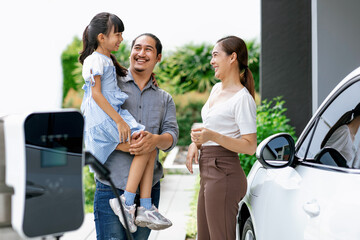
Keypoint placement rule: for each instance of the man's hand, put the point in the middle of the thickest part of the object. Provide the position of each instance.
(125, 146)
(137, 136)
(143, 145)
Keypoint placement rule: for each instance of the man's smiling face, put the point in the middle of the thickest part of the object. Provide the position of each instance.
(143, 54)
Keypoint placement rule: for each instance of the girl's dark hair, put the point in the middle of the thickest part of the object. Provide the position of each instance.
(158, 44)
(344, 119)
(101, 23)
(235, 44)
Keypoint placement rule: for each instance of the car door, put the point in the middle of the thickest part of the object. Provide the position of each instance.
(312, 199)
(330, 194)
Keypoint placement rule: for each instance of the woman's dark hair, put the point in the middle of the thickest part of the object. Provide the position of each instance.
(235, 44)
(344, 119)
(158, 44)
(101, 23)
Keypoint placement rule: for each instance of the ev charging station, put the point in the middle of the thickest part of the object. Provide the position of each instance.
(41, 163)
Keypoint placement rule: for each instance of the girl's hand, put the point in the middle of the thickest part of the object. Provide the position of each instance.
(124, 147)
(124, 131)
(201, 135)
(192, 154)
(154, 79)
(137, 136)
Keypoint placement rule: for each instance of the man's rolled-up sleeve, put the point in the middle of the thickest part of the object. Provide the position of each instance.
(169, 123)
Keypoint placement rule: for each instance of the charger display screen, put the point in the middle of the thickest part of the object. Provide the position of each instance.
(53, 158)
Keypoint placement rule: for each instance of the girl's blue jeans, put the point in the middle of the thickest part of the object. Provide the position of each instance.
(107, 224)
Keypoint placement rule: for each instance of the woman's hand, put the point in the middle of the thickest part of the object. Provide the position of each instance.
(201, 135)
(124, 131)
(192, 155)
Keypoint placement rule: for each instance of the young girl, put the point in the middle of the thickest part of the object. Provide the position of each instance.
(107, 124)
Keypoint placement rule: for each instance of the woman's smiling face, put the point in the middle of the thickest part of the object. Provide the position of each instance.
(220, 61)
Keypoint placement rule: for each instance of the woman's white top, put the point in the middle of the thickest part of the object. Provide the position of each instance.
(342, 141)
(234, 117)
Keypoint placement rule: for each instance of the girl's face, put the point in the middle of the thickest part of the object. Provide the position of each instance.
(112, 40)
(220, 61)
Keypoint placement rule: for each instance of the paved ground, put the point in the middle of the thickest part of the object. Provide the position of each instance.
(176, 194)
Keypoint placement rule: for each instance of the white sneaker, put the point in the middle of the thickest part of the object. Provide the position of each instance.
(129, 212)
(151, 218)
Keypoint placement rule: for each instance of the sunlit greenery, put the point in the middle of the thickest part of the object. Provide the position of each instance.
(270, 119)
(69, 59)
(188, 68)
(183, 70)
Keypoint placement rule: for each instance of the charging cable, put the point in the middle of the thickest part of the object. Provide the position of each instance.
(104, 173)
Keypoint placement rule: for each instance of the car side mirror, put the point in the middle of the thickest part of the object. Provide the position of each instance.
(276, 151)
(331, 157)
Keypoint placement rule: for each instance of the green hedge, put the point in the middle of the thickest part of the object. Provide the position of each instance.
(89, 189)
(270, 119)
(185, 69)
(185, 117)
(69, 60)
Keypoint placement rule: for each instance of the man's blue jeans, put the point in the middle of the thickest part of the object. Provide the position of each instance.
(107, 224)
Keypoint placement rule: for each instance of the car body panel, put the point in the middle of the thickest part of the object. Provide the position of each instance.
(320, 209)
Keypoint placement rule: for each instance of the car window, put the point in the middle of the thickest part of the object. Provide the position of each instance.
(341, 138)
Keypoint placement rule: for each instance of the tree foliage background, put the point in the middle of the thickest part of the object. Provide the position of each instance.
(188, 68)
(183, 70)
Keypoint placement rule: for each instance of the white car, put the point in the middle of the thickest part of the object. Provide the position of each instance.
(302, 191)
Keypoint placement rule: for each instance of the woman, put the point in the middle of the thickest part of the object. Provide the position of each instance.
(229, 118)
(342, 135)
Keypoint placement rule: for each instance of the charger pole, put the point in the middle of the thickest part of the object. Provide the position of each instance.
(5, 191)
(6, 232)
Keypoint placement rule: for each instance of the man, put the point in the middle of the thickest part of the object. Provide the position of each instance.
(151, 107)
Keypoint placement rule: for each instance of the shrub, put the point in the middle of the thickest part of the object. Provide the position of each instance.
(89, 189)
(186, 116)
(270, 119)
(188, 68)
(254, 57)
(69, 60)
